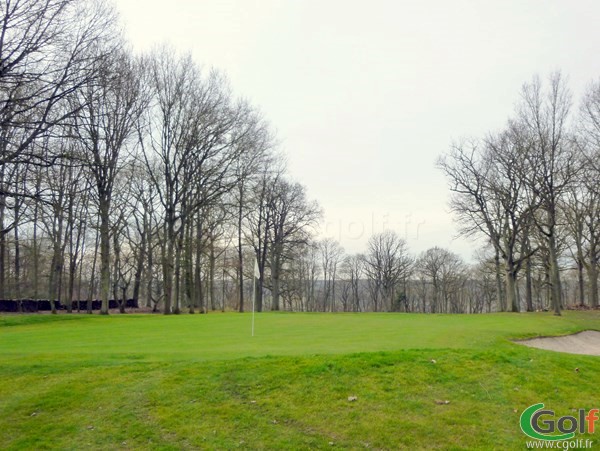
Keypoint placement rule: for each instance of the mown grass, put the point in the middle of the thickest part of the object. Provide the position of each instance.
(201, 382)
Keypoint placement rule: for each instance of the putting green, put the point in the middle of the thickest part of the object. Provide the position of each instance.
(227, 336)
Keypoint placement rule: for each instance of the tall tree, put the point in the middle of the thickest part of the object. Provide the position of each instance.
(514, 202)
(193, 138)
(109, 108)
(387, 261)
(291, 216)
(255, 156)
(352, 268)
(446, 273)
(490, 196)
(472, 203)
(552, 162)
(589, 143)
(331, 256)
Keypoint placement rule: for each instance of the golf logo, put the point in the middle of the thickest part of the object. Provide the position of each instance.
(541, 424)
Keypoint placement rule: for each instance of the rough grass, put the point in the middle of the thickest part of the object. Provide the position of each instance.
(201, 381)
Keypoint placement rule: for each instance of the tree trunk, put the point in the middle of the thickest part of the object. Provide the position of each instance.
(593, 269)
(198, 269)
(73, 252)
(104, 211)
(137, 279)
(2, 250)
(512, 302)
(333, 292)
(17, 290)
(71, 288)
(177, 281)
(116, 267)
(259, 294)
(240, 250)
(211, 276)
(580, 281)
(499, 297)
(555, 276)
(434, 296)
(123, 302)
(93, 277)
(150, 269)
(275, 278)
(35, 253)
(56, 266)
(167, 263)
(223, 287)
(528, 286)
(189, 267)
(80, 275)
(593, 283)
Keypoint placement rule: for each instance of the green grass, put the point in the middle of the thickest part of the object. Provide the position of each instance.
(201, 381)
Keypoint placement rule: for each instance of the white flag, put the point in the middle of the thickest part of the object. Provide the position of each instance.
(256, 270)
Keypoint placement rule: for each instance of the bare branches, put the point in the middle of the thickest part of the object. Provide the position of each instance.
(511, 185)
(48, 49)
(386, 262)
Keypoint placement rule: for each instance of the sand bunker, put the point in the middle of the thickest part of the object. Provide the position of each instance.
(586, 342)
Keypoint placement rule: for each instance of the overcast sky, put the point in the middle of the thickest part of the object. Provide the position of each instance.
(365, 95)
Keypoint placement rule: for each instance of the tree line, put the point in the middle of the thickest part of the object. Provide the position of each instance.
(143, 176)
(532, 190)
(123, 174)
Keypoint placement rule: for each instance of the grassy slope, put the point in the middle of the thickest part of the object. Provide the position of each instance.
(202, 382)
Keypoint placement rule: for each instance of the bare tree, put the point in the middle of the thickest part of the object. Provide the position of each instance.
(468, 174)
(352, 270)
(291, 217)
(331, 256)
(588, 205)
(490, 196)
(446, 273)
(552, 162)
(255, 155)
(193, 139)
(257, 234)
(62, 188)
(48, 51)
(515, 205)
(387, 261)
(109, 107)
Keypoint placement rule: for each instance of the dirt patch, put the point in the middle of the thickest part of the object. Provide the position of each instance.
(586, 342)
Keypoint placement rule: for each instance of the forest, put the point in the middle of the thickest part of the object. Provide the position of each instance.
(128, 176)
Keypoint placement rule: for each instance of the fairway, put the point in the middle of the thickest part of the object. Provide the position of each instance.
(202, 382)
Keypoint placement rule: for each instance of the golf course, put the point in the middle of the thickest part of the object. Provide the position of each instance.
(304, 381)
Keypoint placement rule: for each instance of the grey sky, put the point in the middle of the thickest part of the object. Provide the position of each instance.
(365, 95)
